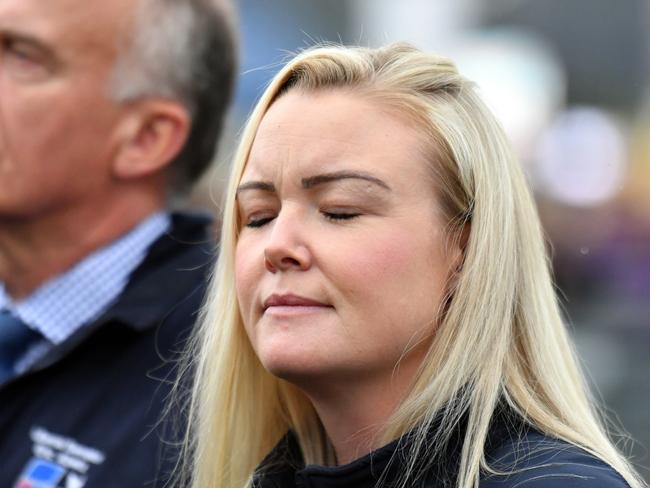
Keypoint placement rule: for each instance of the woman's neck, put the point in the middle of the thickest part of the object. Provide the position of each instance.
(355, 413)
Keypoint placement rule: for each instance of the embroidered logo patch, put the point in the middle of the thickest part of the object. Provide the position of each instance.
(58, 462)
(40, 474)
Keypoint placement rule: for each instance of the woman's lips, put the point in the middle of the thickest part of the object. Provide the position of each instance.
(289, 304)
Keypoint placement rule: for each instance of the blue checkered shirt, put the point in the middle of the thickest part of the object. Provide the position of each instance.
(70, 300)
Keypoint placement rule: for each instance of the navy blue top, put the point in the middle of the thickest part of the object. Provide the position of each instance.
(530, 459)
(538, 461)
(88, 413)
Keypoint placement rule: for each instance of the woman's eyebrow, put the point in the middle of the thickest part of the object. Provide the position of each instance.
(256, 185)
(316, 180)
(320, 179)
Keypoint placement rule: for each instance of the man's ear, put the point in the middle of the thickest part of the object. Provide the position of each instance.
(151, 135)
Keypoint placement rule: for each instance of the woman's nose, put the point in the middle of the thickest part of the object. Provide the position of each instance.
(286, 248)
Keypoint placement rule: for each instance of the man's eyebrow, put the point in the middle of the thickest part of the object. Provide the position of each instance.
(320, 179)
(8, 34)
(17, 36)
(256, 185)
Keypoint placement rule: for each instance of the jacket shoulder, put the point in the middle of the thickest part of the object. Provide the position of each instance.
(538, 461)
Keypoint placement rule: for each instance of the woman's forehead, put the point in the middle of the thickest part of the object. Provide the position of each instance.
(304, 133)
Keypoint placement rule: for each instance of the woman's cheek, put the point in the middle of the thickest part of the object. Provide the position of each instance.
(377, 261)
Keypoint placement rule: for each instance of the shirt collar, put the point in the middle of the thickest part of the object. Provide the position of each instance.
(66, 302)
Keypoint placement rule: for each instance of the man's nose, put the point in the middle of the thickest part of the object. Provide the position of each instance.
(286, 248)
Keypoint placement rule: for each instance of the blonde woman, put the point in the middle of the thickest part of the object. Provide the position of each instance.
(382, 313)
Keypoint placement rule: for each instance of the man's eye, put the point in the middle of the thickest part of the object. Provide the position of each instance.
(20, 55)
(14, 51)
(21, 61)
(258, 222)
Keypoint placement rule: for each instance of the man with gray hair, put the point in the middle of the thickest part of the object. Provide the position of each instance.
(108, 111)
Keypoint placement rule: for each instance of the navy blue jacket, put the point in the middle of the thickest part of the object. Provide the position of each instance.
(88, 415)
(531, 460)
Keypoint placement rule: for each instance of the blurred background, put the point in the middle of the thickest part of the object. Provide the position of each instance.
(570, 82)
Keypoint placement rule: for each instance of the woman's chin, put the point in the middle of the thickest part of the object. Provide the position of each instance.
(287, 366)
(304, 371)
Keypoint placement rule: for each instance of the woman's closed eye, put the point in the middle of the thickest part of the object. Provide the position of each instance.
(256, 221)
(259, 221)
(337, 215)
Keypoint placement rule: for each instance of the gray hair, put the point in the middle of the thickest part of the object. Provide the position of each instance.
(184, 50)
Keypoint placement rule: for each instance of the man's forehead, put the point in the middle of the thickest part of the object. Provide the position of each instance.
(89, 23)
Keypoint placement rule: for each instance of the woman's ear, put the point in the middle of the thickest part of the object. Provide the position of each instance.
(464, 236)
(458, 246)
(151, 135)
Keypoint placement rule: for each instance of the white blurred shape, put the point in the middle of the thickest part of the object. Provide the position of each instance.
(520, 79)
(582, 158)
(427, 24)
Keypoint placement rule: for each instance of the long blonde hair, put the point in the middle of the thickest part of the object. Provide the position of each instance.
(503, 304)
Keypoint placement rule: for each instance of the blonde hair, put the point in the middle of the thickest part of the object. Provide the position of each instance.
(503, 302)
